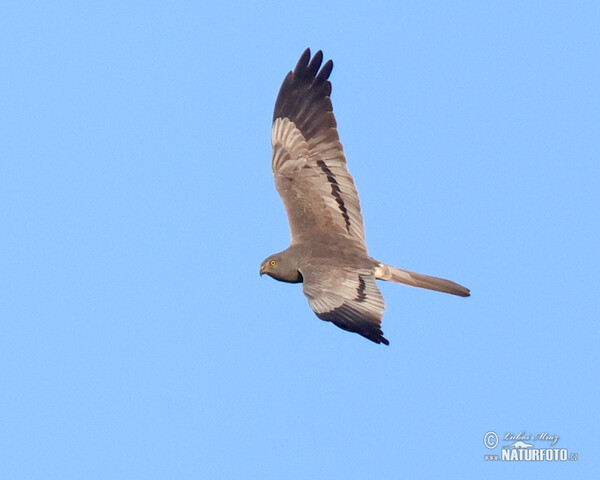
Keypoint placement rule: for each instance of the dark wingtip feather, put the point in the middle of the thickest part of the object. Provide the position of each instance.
(351, 320)
(304, 95)
(379, 338)
(325, 71)
(303, 61)
(315, 63)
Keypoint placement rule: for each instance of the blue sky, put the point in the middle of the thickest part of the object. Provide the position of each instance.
(137, 338)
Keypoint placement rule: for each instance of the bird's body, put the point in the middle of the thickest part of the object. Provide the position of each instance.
(328, 252)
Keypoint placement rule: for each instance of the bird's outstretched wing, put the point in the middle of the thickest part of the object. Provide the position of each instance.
(347, 297)
(308, 159)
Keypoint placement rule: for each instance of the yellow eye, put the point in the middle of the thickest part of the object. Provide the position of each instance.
(273, 262)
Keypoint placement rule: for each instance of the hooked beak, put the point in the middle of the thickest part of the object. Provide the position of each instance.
(262, 270)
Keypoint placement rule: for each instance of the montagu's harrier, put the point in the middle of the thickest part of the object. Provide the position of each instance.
(328, 254)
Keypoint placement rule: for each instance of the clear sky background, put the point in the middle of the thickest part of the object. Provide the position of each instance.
(137, 339)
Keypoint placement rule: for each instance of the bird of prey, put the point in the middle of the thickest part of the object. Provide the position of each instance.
(328, 253)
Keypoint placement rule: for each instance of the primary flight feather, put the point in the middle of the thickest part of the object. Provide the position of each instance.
(328, 253)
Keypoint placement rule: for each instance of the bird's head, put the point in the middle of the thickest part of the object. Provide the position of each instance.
(281, 268)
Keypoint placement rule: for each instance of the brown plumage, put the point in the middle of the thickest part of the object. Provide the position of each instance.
(328, 253)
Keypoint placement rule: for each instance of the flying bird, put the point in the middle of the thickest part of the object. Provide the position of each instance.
(327, 253)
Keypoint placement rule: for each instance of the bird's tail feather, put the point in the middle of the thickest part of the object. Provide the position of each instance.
(398, 275)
